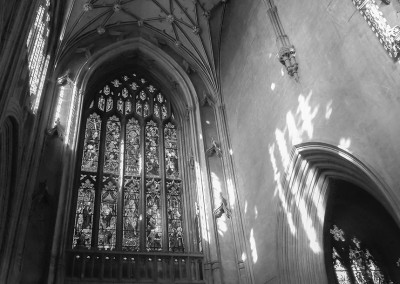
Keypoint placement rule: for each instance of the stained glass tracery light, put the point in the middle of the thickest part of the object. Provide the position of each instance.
(130, 166)
(353, 264)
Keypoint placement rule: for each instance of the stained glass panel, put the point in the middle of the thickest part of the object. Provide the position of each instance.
(102, 102)
(156, 111)
(128, 107)
(164, 112)
(109, 104)
(341, 273)
(120, 106)
(108, 212)
(171, 151)
(360, 262)
(130, 241)
(112, 151)
(152, 151)
(90, 155)
(84, 214)
(153, 215)
(174, 205)
(132, 148)
(131, 176)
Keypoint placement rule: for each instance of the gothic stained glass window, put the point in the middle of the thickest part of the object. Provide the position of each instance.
(129, 195)
(352, 262)
(37, 44)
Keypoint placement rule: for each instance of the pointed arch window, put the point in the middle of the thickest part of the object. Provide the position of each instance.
(352, 261)
(36, 43)
(129, 191)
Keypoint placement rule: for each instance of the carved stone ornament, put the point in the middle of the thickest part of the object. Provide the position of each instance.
(64, 79)
(214, 149)
(223, 208)
(87, 7)
(58, 130)
(286, 51)
(388, 36)
(287, 56)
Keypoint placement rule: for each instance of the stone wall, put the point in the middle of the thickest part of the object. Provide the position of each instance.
(347, 96)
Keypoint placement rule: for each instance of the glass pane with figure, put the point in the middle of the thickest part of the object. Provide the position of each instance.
(174, 205)
(153, 215)
(84, 213)
(152, 150)
(90, 156)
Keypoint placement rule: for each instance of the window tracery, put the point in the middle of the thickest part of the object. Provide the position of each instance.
(352, 261)
(129, 196)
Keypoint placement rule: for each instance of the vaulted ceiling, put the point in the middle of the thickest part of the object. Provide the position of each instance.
(191, 27)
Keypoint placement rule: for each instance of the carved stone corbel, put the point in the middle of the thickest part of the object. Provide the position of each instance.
(57, 130)
(223, 208)
(214, 149)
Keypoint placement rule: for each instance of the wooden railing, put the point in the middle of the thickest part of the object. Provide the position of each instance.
(105, 266)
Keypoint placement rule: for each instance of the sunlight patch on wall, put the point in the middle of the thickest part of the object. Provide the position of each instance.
(328, 110)
(279, 190)
(307, 114)
(344, 143)
(283, 148)
(204, 230)
(222, 226)
(308, 225)
(299, 126)
(253, 247)
(231, 193)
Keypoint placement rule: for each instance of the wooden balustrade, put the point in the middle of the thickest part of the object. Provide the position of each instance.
(149, 267)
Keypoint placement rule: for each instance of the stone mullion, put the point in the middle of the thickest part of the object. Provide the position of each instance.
(96, 213)
(142, 194)
(120, 198)
(163, 187)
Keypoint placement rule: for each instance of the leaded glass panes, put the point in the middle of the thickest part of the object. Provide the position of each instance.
(130, 166)
(108, 215)
(132, 148)
(111, 156)
(349, 257)
(130, 241)
(142, 104)
(90, 155)
(84, 213)
(171, 151)
(174, 204)
(153, 215)
(152, 149)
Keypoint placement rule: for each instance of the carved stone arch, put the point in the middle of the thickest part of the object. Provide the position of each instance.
(303, 204)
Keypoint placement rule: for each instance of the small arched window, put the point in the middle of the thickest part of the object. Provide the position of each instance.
(129, 191)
